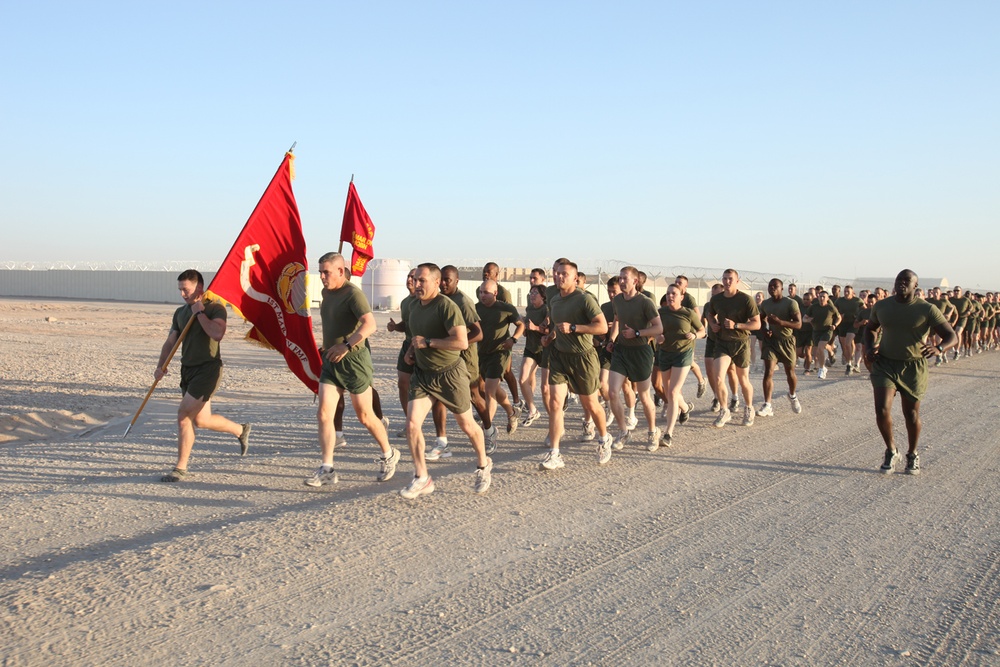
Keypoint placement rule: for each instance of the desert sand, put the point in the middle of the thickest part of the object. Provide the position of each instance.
(775, 544)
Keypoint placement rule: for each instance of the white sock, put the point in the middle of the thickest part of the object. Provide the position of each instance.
(443, 441)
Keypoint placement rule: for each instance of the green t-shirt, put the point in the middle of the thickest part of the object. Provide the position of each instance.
(495, 321)
(785, 309)
(823, 317)
(198, 347)
(848, 309)
(435, 319)
(961, 304)
(676, 325)
(904, 327)
(404, 315)
(503, 294)
(533, 339)
(863, 315)
(608, 309)
(635, 313)
(466, 306)
(340, 311)
(576, 308)
(739, 308)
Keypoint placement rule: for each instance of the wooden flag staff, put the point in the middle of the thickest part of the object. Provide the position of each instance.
(180, 339)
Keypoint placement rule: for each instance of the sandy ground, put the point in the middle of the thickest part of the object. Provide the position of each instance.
(776, 544)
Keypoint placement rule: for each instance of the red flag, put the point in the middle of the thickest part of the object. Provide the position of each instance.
(358, 230)
(264, 278)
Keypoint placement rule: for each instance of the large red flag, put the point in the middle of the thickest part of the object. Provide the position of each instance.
(358, 230)
(264, 278)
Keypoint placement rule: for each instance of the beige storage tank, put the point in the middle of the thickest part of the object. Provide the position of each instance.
(384, 283)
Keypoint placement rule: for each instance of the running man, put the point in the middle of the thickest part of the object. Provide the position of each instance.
(201, 370)
(439, 375)
(575, 318)
(636, 321)
(495, 318)
(347, 367)
(782, 317)
(403, 369)
(848, 306)
(732, 316)
(824, 318)
(899, 363)
(535, 316)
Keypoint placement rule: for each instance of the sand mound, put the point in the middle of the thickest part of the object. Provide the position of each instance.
(45, 424)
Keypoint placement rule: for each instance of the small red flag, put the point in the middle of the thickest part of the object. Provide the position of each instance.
(358, 230)
(264, 278)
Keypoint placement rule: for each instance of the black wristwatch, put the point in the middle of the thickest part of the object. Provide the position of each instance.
(572, 328)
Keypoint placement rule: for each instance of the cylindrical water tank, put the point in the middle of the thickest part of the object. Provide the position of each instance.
(384, 283)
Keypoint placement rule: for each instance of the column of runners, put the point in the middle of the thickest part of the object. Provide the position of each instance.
(456, 356)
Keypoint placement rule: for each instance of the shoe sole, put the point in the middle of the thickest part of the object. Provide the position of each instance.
(422, 492)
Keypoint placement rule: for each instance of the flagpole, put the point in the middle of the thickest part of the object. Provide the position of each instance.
(163, 368)
(340, 248)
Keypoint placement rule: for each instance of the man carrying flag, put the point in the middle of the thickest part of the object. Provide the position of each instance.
(201, 369)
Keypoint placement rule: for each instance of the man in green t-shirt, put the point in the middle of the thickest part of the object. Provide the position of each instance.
(963, 307)
(347, 368)
(782, 319)
(899, 363)
(491, 271)
(688, 302)
(439, 376)
(636, 322)
(495, 318)
(824, 318)
(574, 318)
(848, 305)
(732, 315)
(605, 348)
(201, 369)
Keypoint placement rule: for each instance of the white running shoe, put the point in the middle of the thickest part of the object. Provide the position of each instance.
(796, 406)
(387, 466)
(484, 477)
(417, 487)
(822, 373)
(438, 452)
(653, 440)
(604, 449)
(531, 418)
(722, 419)
(631, 422)
(620, 441)
(340, 442)
(748, 415)
(766, 410)
(512, 421)
(553, 461)
(323, 475)
(385, 422)
(589, 431)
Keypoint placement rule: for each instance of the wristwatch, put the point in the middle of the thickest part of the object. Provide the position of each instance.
(572, 328)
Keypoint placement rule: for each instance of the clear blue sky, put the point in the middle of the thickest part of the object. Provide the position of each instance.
(845, 139)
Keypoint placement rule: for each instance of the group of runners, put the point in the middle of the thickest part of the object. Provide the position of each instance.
(456, 356)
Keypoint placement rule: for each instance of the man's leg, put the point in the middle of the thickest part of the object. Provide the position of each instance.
(592, 407)
(911, 414)
(615, 383)
(767, 384)
(508, 376)
(883, 414)
(675, 397)
(722, 365)
(793, 380)
(648, 408)
(557, 394)
(475, 434)
(329, 397)
(743, 376)
(403, 380)
(529, 369)
(416, 412)
(366, 415)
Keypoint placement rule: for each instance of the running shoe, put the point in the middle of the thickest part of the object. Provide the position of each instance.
(889, 463)
(484, 477)
(387, 466)
(748, 415)
(666, 440)
(553, 461)
(604, 449)
(912, 464)
(686, 415)
(531, 418)
(631, 422)
(589, 431)
(341, 441)
(849, 369)
(401, 433)
(244, 439)
(766, 410)
(323, 475)
(702, 388)
(722, 419)
(734, 403)
(439, 451)
(385, 422)
(715, 405)
(490, 437)
(417, 487)
(796, 406)
(620, 441)
(653, 440)
(512, 421)
(822, 373)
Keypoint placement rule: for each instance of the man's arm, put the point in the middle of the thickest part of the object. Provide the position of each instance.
(215, 329)
(949, 339)
(164, 351)
(367, 328)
